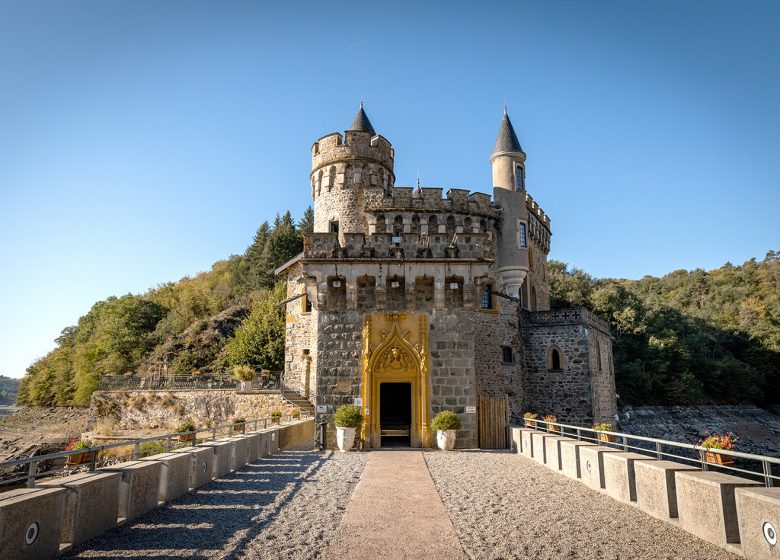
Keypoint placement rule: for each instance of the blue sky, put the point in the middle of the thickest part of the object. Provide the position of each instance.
(142, 141)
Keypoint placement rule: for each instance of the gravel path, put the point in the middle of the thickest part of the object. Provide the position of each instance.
(506, 506)
(287, 506)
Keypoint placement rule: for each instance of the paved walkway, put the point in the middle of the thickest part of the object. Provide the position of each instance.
(396, 512)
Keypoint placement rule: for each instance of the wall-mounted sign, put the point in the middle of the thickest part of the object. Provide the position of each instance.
(357, 401)
(322, 409)
(471, 410)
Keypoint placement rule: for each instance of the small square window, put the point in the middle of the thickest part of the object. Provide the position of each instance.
(507, 355)
(334, 227)
(487, 298)
(306, 304)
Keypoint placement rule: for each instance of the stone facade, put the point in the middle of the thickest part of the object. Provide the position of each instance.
(474, 266)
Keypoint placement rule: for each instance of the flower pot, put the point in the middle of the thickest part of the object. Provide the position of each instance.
(717, 458)
(239, 427)
(445, 439)
(606, 437)
(246, 385)
(275, 420)
(345, 438)
(79, 459)
(553, 428)
(186, 437)
(530, 423)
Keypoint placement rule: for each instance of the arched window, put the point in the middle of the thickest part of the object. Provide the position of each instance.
(554, 359)
(486, 300)
(597, 346)
(433, 224)
(483, 226)
(331, 177)
(415, 224)
(319, 182)
(450, 224)
(381, 226)
(398, 225)
(467, 225)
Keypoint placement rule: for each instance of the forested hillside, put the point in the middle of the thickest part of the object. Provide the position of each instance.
(199, 323)
(9, 387)
(688, 337)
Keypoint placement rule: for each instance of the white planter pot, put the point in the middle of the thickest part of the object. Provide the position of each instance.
(445, 439)
(345, 437)
(246, 385)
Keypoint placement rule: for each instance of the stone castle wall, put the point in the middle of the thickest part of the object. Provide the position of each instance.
(300, 341)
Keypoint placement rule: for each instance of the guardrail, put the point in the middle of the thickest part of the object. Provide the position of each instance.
(47, 465)
(660, 448)
(272, 382)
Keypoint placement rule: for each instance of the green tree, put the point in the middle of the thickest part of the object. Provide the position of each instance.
(259, 341)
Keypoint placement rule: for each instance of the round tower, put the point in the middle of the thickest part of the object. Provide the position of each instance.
(342, 169)
(508, 163)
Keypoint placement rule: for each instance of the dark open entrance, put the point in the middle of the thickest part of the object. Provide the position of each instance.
(395, 414)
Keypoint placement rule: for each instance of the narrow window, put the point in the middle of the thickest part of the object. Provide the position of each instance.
(306, 303)
(555, 360)
(507, 355)
(334, 227)
(520, 174)
(522, 240)
(487, 297)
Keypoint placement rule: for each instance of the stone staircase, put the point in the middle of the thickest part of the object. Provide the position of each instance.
(296, 399)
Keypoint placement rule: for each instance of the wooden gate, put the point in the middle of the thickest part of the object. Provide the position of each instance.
(493, 422)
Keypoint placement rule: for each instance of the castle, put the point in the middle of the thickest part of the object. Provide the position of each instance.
(407, 303)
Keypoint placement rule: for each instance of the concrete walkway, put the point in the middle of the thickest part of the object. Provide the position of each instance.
(396, 512)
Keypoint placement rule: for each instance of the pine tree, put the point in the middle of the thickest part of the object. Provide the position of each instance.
(307, 222)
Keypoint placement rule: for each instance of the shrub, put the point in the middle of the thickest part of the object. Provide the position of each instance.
(530, 415)
(151, 448)
(348, 416)
(446, 420)
(78, 444)
(604, 427)
(238, 420)
(186, 426)
(296, 413)
(276, 414)
(243, 373)
(716, 441)
(550, 418)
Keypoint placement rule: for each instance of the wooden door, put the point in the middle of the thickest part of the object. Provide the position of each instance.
(493, 423)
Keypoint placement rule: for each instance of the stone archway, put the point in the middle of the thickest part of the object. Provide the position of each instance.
(395, 350)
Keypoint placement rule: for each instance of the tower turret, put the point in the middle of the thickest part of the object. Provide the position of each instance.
(342, 167)
(508, 162)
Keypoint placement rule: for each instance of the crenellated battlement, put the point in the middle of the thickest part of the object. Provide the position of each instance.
(354, 145)
(430, 199)
(404, 246)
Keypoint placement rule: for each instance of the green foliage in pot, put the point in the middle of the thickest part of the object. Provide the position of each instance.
(446, 420)
(238, 420)
(243, 373)
(348, 416)
(187, 425)
(276, 414)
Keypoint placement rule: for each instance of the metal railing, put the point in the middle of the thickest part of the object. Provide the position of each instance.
(755, 466)
(270, 382)
(28, 469)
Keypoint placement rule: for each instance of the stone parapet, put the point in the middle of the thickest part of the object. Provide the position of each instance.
(620, 476)
(404, 246)
(656, 491)
(592, 465)
(559, 317)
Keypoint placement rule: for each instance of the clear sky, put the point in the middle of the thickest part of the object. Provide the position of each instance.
(142, 141)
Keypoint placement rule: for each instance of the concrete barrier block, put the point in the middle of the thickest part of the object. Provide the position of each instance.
(240, 455)
(254, 441)
(552, 449)
(706, 504)
(758, 511)
(174, 474)
(656, 491)
(515, 435)
(31, 523)
(202, 466)
(619, 475)
(91, 504)
(223, 451)
(539, 448)
(139, 489)
(528, 442)
(592, 464)
(298, 435)
(270, 444)
(570, 457)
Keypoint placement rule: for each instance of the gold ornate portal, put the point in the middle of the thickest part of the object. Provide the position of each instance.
(395, 350)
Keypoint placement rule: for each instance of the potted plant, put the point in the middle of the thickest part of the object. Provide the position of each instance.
(530, 419)
(79, 458)
(239, 423)
(296, 413)
(446, 423)
(551, 419)
(604, 427)
(186, 426)
(716, 441)
(347, 419)
(245, 375)
(276, 416)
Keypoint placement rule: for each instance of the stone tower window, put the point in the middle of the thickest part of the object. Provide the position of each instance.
(306, 305)
(415, 224)
(334, 226)
(450, 224)
(467, 225)
(522, 238)
(331, 177)
(453, 291)
(486, 300)
(520, 177)
(395, 293)
(319, 182)
(337, 293)
(366, 292)
(423, 290)
(507, 355)
(598, 353)
(433, 225)
(381, 226)
(554, 359)
(398, 225)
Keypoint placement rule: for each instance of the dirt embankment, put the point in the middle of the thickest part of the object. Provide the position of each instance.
(39, 430)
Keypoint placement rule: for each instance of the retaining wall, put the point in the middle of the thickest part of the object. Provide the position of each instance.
(736, 513)
(60, 512)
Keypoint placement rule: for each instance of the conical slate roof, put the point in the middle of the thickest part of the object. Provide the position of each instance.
(507, 139)
(361, 122)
